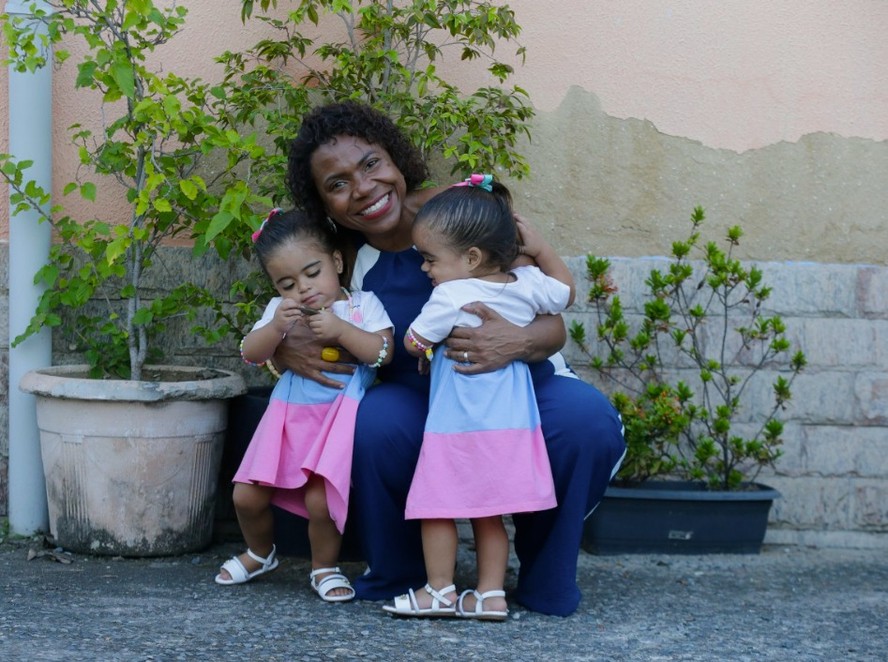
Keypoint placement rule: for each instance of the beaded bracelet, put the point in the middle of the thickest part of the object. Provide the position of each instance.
(421, 346)
(244, 358)
(274, 372)
(382, 353)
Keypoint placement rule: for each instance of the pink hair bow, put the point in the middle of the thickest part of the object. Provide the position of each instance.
(274, 212)
(479, 181)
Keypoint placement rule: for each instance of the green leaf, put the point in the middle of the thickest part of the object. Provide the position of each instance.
(143, 317)
(85, 74)
(162, 205)
(88, 191)
(218, 224)
(116, 248)
(122, 73)
(188, 188)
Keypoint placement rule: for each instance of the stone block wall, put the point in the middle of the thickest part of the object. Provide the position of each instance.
(834, 472)
(833, 475)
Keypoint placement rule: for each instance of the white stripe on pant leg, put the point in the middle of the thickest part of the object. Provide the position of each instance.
(616, 466)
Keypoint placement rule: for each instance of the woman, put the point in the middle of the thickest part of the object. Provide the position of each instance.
(351, 164)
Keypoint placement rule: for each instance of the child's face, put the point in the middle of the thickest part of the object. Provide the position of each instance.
(440, 262)
(306, 273)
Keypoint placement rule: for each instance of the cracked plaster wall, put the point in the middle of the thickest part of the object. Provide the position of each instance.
(621, 187)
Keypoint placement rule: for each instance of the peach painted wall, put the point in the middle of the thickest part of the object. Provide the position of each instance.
(737, 74)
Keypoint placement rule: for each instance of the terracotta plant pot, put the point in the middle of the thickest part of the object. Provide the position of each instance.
(131, 467)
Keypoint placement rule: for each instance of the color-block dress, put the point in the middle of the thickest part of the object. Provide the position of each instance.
(483, 451)
(309, 428)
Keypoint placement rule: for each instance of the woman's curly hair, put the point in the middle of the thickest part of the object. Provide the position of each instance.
(349, 118)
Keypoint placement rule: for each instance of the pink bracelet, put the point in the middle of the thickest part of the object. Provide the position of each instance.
(421, 346)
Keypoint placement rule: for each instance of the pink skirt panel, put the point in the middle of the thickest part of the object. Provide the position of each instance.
(480, 474)
(293, 442)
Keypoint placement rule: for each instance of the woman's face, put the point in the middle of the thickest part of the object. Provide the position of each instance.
(363, 190)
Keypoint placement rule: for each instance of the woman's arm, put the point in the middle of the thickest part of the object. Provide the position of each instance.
(498, 342)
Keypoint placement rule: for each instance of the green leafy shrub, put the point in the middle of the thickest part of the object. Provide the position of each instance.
(705, 319)
(158, 128)
(205, 161)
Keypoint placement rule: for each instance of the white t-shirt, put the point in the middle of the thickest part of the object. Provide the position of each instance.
(532, 293)
(372, 314)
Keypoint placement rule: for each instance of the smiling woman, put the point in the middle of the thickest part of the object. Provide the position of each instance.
(350, 163)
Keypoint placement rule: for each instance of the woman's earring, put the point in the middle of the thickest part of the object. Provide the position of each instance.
(333, 225)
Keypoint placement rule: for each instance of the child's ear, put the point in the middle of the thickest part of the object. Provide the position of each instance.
(474, 257)
(337, 260)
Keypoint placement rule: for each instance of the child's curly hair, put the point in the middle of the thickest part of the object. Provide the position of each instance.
(349, 118)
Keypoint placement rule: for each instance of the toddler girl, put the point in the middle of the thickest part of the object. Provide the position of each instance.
(301, 453)
(483, 453)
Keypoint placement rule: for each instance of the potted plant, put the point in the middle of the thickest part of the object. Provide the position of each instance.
(679, 373)
(146, 484)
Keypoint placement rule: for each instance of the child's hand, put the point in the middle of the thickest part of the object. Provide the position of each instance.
(286, 315)
(423, 365)
(325, 325)
(530, 241)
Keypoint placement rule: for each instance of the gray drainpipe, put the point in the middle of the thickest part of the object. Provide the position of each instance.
(30, 137)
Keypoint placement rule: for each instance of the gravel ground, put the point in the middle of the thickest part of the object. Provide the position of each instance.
(787, 603)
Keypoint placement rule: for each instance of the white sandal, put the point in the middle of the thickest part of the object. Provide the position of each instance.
(479, 613)
(238, 574)
(329, 583)
(406, 605)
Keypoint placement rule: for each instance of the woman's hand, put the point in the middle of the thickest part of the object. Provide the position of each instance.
(300, 352)
(498, 342)
(530, 241)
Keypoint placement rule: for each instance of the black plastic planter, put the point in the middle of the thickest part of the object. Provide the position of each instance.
(674, 517)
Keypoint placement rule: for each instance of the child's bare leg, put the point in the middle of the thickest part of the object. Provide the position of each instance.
(323, 536)
(253, 506)
(492, 550)
(439, 543)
